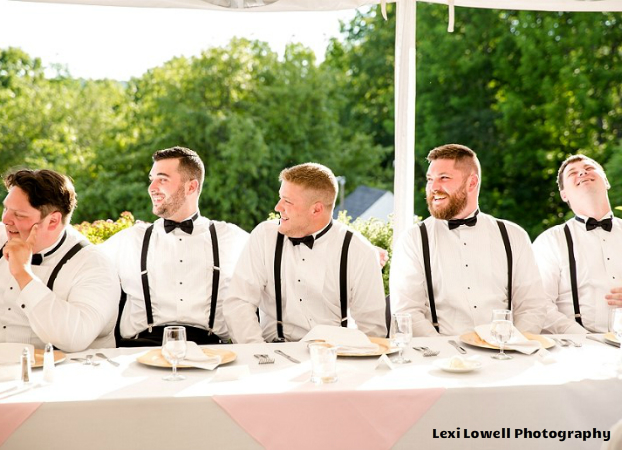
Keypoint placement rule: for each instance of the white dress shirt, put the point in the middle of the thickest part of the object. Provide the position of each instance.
(469, 274)
(180, 269)
(309, 286)
(598, 255)
(79, 313)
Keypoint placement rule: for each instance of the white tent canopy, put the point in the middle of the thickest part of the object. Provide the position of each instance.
(404, 58)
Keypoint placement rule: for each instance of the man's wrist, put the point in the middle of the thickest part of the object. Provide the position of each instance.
(23, 278)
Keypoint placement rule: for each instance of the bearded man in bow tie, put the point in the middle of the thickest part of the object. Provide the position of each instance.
(451, 270)
(54, 286)
(581, 260)
(176, 270)
(305, 269)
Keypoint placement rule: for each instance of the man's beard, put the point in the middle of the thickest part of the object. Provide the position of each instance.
(457, 202)
(171, 205)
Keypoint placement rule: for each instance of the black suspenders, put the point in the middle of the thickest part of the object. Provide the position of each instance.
(573, 275)
(215, 277)
(428, 271)
(343, 283)
(70, 254)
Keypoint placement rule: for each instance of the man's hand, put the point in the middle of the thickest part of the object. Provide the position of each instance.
(614, 298)
(383, 256)
(19, 253)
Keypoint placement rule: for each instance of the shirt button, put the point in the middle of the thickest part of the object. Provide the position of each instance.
(11, 288)
(181, 260)
(23, 306)
(181, 282)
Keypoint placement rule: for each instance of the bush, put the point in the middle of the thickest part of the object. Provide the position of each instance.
(100, 230)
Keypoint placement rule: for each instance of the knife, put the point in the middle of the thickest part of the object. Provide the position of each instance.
(294, 360)
(602, 340)
(458, 347)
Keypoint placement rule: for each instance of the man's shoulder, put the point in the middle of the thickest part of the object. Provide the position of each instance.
(227, 227)
(512, 228)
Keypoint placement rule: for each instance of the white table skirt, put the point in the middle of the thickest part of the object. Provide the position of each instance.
(131, 407)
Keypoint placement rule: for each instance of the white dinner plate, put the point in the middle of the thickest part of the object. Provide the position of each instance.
(445, 364)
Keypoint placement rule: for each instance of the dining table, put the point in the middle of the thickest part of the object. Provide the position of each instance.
(560, 398)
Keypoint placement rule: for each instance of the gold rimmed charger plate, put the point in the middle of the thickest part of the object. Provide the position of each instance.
(156, 359)
(384, 347)
(611, 338)
(58, 357)
(473, 339)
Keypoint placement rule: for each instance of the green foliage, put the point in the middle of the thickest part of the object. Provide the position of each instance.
(100, 230)
(377, 232)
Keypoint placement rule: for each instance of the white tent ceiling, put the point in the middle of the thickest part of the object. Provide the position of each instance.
(404, 58)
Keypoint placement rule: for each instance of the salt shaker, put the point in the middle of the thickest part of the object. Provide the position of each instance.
(26, 365)
(48, 364)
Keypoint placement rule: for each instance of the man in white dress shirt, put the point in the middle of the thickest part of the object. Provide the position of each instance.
(188, 259)
(297, 262)
(468, 257)
(54, 287)
(596, 242)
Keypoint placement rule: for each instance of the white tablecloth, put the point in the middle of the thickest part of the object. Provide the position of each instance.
(131, 407)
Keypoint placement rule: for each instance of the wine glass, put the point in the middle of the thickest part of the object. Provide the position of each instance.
(174, 349)
(501, 329)
(401, 332)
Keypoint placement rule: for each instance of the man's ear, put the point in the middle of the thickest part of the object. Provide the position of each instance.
(317, 208)
(473, 181)
(56, 220)
(563, 195)
(193, 186)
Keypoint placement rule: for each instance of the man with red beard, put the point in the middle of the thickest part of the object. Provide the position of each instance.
(176, 271)
(293, 269)
(54, 286)
(468, 257)
(594, 238)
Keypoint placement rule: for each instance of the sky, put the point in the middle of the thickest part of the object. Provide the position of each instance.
(119, 43)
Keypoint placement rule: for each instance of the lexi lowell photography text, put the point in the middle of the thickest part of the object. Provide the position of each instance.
(521, 433)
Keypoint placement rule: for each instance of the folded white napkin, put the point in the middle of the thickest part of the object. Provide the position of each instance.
(518, 342)
(11, 352)
(196, 358)
(349, 340)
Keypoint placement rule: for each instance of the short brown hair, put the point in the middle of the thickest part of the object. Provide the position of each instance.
(48, 191)
(571, 159)
(315, 177)
(190, 165)
(461, 154)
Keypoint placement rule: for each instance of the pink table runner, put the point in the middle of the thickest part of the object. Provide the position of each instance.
(357, 420)
(12, 415)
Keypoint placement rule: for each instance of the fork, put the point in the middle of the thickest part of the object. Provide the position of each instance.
(427, 351)
(574, 344)
(102, 356)
(561, 342)
(264, 359)
(89, 361)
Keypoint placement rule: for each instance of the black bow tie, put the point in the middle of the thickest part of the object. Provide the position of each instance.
(37, 258)
(605, 224)
(187, 226)
(469, 222)
(310, 240)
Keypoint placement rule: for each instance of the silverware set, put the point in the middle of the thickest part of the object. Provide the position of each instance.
(264, 359)
(565, 342)
(427, 351)
(88, 360)
(458, 346)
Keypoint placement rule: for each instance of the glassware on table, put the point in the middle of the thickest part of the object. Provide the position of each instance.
(501, 329)
(323, 362)
(400, 334)
(174, 349)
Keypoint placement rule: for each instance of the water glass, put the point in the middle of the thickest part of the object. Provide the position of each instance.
(174, 349)
(323, 363)
(501, 330)
(400, 334)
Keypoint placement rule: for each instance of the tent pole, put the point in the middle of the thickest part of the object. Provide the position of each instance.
(405, 91)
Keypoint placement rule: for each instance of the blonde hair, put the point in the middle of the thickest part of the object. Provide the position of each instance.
(314, 177)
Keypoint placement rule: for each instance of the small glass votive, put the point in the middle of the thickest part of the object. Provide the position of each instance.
(323, 363)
